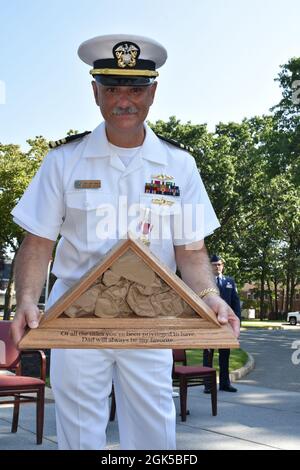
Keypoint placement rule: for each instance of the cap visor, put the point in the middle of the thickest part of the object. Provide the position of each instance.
(115, 80)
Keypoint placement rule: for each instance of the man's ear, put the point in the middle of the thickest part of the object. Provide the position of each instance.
(95, 90)
(153, 90)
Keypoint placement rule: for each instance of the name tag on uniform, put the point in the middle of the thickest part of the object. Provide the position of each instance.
(87, 184)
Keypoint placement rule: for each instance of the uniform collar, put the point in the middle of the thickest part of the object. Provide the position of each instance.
(153, 148)
(97, 146)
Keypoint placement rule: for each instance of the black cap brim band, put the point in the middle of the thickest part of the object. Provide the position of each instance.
(113, 64)
(117, 80)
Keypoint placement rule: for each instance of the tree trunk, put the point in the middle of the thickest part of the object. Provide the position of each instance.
(292, 293)
(287, 291)
(271, 313)
(276, 297)
(262, 294)
(9, 293)
(282, 300)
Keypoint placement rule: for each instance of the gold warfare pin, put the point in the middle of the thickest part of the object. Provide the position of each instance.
(162, 177)
(162, 202)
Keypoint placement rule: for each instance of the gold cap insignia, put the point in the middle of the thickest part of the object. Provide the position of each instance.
(126, 54)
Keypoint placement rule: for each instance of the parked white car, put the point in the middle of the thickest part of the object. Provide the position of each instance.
(293, 318)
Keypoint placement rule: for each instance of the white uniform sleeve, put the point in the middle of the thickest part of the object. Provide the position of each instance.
(41, 208)
(198, 217)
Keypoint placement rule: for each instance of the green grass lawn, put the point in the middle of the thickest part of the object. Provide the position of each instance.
(238, 358)
(257, 320)
(262, 324)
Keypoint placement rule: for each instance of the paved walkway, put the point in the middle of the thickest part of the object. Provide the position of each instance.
(272, 352)
(262, 415)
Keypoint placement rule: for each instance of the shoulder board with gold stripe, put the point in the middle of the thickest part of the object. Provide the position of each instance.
(174, 142)
(67, 140)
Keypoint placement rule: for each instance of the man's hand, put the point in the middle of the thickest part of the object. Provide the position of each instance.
(27, 314)
(31, 267)
(224, 313)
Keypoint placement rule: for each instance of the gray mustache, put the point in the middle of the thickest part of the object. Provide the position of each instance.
(120, 111)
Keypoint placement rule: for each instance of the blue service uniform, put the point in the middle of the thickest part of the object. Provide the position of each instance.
(228, 292)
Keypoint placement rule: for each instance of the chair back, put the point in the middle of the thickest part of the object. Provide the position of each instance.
(9, 354)
(179, 355)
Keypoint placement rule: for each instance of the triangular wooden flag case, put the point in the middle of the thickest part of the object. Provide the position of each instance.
(130, 299)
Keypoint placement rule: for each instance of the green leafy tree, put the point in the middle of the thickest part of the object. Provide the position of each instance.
(17, 168)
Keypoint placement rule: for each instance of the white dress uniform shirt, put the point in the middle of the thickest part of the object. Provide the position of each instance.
(51, 206)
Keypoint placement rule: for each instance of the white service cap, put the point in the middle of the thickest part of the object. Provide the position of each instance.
(123, 59)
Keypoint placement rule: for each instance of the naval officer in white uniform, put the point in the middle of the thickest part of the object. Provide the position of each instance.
(89, 190)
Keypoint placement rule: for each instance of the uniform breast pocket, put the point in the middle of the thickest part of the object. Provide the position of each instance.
(164, 211)
(91, 214)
